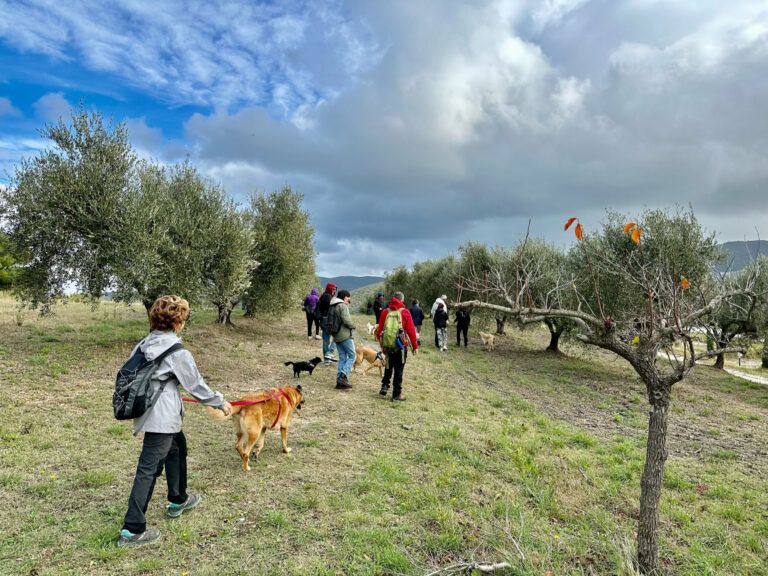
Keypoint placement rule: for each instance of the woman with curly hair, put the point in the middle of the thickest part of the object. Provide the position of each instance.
(164, 443)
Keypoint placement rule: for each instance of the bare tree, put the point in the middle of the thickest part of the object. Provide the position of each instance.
(639, 290)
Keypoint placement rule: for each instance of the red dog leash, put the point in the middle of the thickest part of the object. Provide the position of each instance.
(276, 395)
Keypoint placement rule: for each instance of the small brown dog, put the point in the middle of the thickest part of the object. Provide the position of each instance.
(259, 411)
(375, 359)
(487, 340)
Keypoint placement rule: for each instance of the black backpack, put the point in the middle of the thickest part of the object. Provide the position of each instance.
(334, 320)
(133, 391)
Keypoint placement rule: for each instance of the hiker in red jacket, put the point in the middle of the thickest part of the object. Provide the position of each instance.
(394, 340)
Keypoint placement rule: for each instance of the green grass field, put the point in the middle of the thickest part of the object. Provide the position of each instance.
(515, 455)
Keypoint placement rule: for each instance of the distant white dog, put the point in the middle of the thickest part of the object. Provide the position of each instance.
(371, 328)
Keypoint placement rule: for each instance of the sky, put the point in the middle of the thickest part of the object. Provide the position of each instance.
(413, 126)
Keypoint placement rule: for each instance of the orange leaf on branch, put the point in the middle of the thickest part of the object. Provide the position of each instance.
(636, 236)
(570, 221)
(629, 227)
(685, 283)
(579, 231)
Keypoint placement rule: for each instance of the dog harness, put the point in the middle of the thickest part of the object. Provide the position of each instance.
(276, 395)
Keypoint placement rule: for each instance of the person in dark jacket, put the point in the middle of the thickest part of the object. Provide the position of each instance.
(463, 321)
(165, 446)
(378, 305)
(418, 317)
(440, 319)
(323, 305)
(310, 310)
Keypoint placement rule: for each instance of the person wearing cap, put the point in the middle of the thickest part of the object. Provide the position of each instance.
(396, 358)
(323, 305)
(378, 305)
(343, 338)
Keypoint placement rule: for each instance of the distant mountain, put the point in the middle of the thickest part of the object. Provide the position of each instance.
(742, 253)
(350, 282)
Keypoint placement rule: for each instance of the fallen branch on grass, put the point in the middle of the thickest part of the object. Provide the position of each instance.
(463, 567)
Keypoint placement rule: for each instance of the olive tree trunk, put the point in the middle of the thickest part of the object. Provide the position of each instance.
(653, 475)
(500, 321)
(765, 353)
(555, 332)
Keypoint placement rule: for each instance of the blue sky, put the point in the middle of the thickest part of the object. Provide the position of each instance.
(411, 127)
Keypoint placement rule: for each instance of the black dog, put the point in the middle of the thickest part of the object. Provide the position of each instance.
(299, 367)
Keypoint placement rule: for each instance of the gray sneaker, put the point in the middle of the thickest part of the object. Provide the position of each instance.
(176, 510)
(129, 539)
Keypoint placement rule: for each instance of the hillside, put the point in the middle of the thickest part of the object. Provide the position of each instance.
(742, 253)
(351, 282)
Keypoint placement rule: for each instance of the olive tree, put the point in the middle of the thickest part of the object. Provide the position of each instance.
(632, 289)
(65, 209)
(231, 262)
(9, 262)
(172, 244)
(283, 245)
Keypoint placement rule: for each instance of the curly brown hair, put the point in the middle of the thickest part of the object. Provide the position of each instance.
(168, 313)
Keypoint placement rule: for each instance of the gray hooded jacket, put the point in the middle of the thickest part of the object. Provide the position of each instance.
(177, 368)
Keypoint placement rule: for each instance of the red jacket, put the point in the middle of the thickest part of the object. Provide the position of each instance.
(405, 315)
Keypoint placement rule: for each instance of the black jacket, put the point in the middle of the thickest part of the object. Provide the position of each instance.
(462, 318)
(417, 314)
(378, 306)
(324, 304)
(440, 319)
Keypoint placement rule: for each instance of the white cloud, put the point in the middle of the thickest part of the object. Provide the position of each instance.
(228, 53)
(7, 108)
(53, 106)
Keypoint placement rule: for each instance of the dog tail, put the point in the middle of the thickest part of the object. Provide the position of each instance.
(288, 363)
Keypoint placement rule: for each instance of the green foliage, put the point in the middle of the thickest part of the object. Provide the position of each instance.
(284, 248)
(65, 208)
(9, 267)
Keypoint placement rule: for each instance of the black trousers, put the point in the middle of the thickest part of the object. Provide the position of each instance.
(395, 364)
(159, 451)
(312, 320)
(459, 331)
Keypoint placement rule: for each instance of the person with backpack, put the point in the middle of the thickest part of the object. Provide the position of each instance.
(310, 309)
(463, 321)
(323, 305)
(440, 319)
(395, 332)
(340, 326)
(165, 445)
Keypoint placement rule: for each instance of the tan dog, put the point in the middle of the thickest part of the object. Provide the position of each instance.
(488, 340)
(375, 359)
(371, 328)
(264, 409)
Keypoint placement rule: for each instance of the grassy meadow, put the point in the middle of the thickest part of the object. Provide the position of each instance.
(515, 455)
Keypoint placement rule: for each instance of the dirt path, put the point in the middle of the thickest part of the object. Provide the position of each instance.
(747, 376)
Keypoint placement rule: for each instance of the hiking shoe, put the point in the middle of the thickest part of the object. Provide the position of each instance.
(398, 398)
(176, 510)
(342, 382)
(318, 337)
(384, 390)
(129, 539)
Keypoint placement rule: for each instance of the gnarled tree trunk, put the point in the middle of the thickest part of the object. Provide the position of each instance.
(555, 331)
(765, 353)
(500, 321)
(653, 475)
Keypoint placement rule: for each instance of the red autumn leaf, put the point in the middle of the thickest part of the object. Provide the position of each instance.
(636, 236)
(579, 231)
(570, 221)
(685, 283)
(629, 226)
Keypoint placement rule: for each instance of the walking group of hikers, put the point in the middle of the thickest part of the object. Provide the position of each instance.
(395, 331)
(329, 313)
